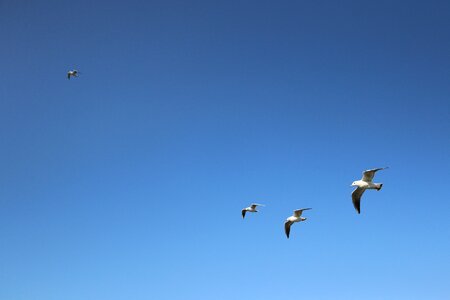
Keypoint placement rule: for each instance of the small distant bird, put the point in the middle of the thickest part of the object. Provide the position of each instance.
(364, 184)
(73, 73)
(251, 208)
(297, 217)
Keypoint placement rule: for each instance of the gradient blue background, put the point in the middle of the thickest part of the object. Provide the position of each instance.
(128, 182)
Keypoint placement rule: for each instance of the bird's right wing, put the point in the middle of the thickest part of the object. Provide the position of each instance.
(368, 175)
(298, 212)
(287, 228)
(356, 198)
(68, 75)
(243, 213)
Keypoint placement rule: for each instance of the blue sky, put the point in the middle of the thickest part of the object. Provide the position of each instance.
(128, 182)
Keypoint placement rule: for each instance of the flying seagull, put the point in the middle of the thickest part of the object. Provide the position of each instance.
(296, 217)
(251, 208)
(73, 73)
(364, 184)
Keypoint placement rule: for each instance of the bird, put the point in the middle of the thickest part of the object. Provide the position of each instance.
(251, 208)
(296, 217)
(73, 73)
(364, 184)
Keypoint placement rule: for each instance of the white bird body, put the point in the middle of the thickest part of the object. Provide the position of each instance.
(251, 208)
(296, 217)
(365, 184)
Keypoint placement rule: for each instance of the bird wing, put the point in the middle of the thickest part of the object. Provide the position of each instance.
(68, 75)
(287, 228)
(243, 213)
(369, 174)
(254, 205)
(356, 198)
(298, 212)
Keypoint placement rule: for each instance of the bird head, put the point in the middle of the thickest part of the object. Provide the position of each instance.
(353, 183)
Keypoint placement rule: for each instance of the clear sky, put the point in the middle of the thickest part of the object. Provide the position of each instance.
(128, 182)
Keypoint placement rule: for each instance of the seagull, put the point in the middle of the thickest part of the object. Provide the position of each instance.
(73, 73)
(296, 217)
(251, 208)
(364, 184)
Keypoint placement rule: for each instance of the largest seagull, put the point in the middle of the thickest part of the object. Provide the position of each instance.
(297, 217)
(73, 73)
(364, 184)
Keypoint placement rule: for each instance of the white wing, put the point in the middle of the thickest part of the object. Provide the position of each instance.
(298, 212)
(356, 198)
(369, 174)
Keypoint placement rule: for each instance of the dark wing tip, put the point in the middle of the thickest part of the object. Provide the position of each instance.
(356, 199)
(243, 213)
(357, 205)
(287, 228)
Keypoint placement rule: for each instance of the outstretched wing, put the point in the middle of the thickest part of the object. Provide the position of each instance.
(68, 75)
(356, 198)
(287, 228)
(369, 174)
(298, 212)
(243, 213)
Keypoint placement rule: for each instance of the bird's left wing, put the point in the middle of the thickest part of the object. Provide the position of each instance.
(287, 228)
(356, 198)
